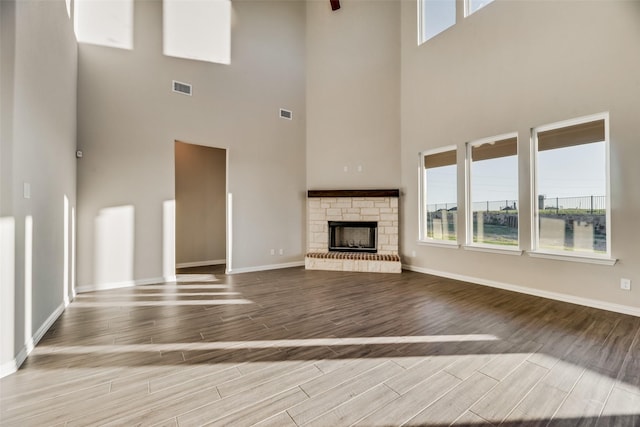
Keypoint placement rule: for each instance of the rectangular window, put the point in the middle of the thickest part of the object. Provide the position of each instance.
(571, 181)
(471, 6)
(439, 200)
(104, 23)
(435, 16)
(197, 29)
(492, 174)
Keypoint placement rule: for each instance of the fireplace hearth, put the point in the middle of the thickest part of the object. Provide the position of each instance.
(353, 236)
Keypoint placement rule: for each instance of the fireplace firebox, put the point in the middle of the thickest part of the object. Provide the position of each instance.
(353, 236)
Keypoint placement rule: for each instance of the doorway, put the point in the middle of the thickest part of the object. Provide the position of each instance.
(200, 194)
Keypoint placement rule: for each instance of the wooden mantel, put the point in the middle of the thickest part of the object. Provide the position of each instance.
(354, 193)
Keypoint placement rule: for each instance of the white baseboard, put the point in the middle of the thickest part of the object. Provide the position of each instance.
(602, 305)
(201, 263)
(124, 284)
(12, 366)
(266, 267)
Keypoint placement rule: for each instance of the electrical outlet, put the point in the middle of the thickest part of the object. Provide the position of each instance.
(272, 251)
(413, 254)
(281, 251)
(625, 284)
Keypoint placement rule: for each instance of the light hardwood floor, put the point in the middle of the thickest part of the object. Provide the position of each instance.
(294, 347)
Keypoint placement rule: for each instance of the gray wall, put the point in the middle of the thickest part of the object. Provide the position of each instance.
(509, 67)
(129, 119)
(38, 130)
(353, 95)
(200, 204)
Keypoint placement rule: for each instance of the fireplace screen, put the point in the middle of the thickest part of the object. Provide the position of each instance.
(353, 236)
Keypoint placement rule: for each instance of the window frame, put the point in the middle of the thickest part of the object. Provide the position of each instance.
(421, 23)
(535, 250)
(467, 8)
(422, 213)
(469, 243)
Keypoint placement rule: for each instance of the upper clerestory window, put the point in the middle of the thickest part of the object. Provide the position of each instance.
(434, 16)
(197, 29)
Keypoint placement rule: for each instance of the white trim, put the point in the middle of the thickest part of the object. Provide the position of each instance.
(201, 263)
(588, 302)
(229, 268)
(12, 366)
(267, 267)
(439, 244)
(572, 257)
(493, 249)
(124, 284)
(419, 10)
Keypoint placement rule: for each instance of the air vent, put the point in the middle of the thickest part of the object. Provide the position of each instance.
(183, 88)
(286, 114)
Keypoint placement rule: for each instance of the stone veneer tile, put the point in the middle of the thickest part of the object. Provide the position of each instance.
(317, 228)
(362, 204)
(341, 205)
(370, 211)
(317, 217)
(351, 217)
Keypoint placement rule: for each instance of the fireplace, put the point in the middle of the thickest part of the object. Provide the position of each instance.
(353, 236)
(353, 230)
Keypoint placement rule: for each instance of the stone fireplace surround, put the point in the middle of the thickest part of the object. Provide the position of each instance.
(353, 205)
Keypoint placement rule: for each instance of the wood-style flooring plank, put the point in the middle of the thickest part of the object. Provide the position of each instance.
(409, 404)
(538, 406)
(357, 408)
(215, 410)
(319, 404)
(279, 420)
(419, 372)
(499, 402)
(262, 410)
(621, 410)
(455, 402)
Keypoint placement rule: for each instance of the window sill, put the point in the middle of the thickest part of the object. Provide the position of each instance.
(493, 249)
(573, 258)
(439, 244)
